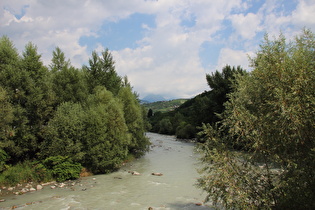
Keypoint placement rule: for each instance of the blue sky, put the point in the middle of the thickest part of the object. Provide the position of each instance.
(164, 46)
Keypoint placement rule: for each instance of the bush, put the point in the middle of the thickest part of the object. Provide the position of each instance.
(20, 173)
(41, 173)
(3, 158)
(165, 126)
(62, 168)
(185, 131)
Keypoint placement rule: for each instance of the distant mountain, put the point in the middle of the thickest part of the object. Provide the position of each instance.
(153, 98)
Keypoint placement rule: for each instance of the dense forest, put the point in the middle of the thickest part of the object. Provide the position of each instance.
(185, 120)
(58, 119)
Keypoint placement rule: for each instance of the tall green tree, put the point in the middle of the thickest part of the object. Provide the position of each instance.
(6, 116)
(58, 61)
(134, 121)
(10, 72)
(271, 113)
(39, 99)
(221, 85)
(65, 133)
(106, 139)
(16, 81)
(69, 83)
(101, 72)
(40, 96)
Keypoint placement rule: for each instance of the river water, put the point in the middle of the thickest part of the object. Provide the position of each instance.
(122, 190)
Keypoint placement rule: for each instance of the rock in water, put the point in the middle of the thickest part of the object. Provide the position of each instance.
(157, 174)
(134, 173)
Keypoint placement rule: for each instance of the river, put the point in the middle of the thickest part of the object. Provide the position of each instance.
(121, 190)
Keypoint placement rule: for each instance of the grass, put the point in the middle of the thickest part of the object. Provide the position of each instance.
(23, 173)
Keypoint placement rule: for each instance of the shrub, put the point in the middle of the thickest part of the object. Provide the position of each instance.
(21, 172)
(185, 131)
(62, 168)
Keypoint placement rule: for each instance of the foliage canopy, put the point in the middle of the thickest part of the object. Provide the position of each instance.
(271, 116)
(86, 116)
(203, 108)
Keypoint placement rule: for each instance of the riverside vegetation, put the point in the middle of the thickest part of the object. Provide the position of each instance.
(185, 119)
(57, 120)
(256, 129)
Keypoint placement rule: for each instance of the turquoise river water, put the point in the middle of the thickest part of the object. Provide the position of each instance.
(121, 190)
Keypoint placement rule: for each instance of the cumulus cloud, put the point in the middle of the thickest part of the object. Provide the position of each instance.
(304, 15)
(246, 25)
(165, 60)
(234, 58)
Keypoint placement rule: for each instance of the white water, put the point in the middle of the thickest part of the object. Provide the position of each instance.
(121, 190)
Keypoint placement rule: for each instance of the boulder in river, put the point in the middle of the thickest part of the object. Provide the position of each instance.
(157, 174)
(134, 173)
(32, 189)
(39, 187)
(24, 190)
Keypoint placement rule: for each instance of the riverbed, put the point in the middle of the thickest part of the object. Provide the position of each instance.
(174, 161)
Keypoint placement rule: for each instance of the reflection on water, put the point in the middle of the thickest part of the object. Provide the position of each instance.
(122, 190)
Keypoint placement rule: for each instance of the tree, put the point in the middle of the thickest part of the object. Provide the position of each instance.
(101, 72)
(39, 100)
(165, 126)
(106, 134)
(6, 115)
(271, 113)
(65, 132)
(134, 121)
(69, 83)
(150, 113)
(59, 62)
(8, 53)
(23, 80)
(11, 75)
(221, 85)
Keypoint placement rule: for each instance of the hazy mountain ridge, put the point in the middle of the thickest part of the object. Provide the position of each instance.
(152, 98)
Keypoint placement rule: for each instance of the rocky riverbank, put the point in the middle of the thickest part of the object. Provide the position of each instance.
(20, 189)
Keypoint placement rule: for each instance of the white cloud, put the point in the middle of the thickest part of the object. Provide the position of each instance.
(304, 15)
(168, 62)
(166, 59)
(233, 58)
(246, 25)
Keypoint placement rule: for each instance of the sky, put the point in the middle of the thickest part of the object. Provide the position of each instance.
(164, 47)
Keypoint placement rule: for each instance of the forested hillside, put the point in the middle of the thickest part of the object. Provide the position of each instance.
(184, 120)
(163, 106)
(57, 119)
